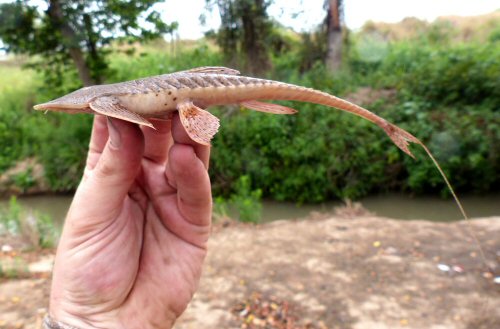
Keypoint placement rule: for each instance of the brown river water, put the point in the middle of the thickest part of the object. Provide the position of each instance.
(395, 206)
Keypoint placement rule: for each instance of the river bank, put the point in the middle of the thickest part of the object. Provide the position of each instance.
(400, 206)
(348, 271)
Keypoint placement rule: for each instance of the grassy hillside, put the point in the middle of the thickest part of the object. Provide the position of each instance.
(456, 28)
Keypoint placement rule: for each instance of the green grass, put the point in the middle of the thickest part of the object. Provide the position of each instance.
(13, 77)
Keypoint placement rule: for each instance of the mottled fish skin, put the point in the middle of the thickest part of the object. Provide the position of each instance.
(158, 95)
(202, 83)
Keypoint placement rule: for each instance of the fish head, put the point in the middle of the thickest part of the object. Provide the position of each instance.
(75, 102)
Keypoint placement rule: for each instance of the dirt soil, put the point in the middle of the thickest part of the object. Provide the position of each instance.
(326, 272)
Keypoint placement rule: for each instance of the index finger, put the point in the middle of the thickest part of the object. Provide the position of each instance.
(180, 136)
(98, 140)
(157, 141)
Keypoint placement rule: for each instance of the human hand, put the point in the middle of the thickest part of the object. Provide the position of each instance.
(135, 236)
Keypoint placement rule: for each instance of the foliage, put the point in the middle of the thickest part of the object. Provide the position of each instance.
(313, 49)
(245, 33)
(155, 62)
(63, 149)
(47, 232)
(286, 157)
(10, 218)
(447, 97)
(59, 141)
(15, 98)
(464, 74)
(24, 179)
(13, 268)
(38, 229)
(247, 201)
(220, 209)
(76, 34)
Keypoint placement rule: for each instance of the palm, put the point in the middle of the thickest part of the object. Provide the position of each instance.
(145, 249)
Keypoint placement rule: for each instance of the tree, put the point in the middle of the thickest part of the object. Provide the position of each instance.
(334, 32)
(244, 33)
(76, 33)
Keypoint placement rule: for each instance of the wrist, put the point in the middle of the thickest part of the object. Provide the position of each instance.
(50, 323)
(64, 320)
(73, 322)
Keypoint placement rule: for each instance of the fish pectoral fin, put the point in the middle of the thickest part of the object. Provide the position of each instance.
(213, 70)
(200, 125)
(268, 107)
(111, 107)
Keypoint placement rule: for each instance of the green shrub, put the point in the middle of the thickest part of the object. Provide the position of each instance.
(10, 217)
(37, 229)
(463, 74)
(247, 201)
(448, 97)
(13, 111)
(24, 180)
(157, 62)
(63, 149)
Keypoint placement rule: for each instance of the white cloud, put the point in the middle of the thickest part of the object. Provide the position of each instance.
(306, 14)
(357, 12)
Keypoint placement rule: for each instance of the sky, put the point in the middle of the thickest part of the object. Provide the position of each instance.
(304, 15)
(310, 13)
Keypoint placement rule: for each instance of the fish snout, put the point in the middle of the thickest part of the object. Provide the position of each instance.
(56, 107)
(41, 107)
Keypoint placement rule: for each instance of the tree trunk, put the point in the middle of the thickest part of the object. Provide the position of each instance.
(228, 38)
(70, 40)
(334, 53)
(98, 62)
(254, 33)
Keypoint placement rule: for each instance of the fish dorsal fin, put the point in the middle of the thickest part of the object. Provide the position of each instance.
(111, 107)
(213, 70)
(200, 125)
(268, 107)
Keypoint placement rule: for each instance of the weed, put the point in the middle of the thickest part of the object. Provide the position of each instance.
(247, 201)
(36, 229)
(13, 267)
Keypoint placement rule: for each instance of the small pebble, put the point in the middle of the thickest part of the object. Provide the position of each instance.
(7, 248)
(443, 267)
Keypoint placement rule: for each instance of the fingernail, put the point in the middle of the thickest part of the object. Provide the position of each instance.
(115, 139)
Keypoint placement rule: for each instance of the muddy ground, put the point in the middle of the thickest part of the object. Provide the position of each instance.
(350, 272)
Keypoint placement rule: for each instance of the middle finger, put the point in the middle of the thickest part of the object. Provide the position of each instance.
(157, 142)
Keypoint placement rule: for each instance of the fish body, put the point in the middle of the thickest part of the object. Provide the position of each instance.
(191, 92)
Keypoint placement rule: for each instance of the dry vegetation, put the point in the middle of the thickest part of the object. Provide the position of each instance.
(476, 27)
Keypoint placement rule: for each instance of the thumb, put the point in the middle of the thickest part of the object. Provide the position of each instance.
(117, 167)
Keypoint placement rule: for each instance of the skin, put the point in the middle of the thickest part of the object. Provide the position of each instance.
(136, 234)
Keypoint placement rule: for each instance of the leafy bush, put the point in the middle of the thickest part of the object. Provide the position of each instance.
(464, 74)
(37, 229)
(10, 218)
(244, 203)
(156, 62)
(247, 201)
(314, 156)
(64, 142)
(13, 145)
(447, 97)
